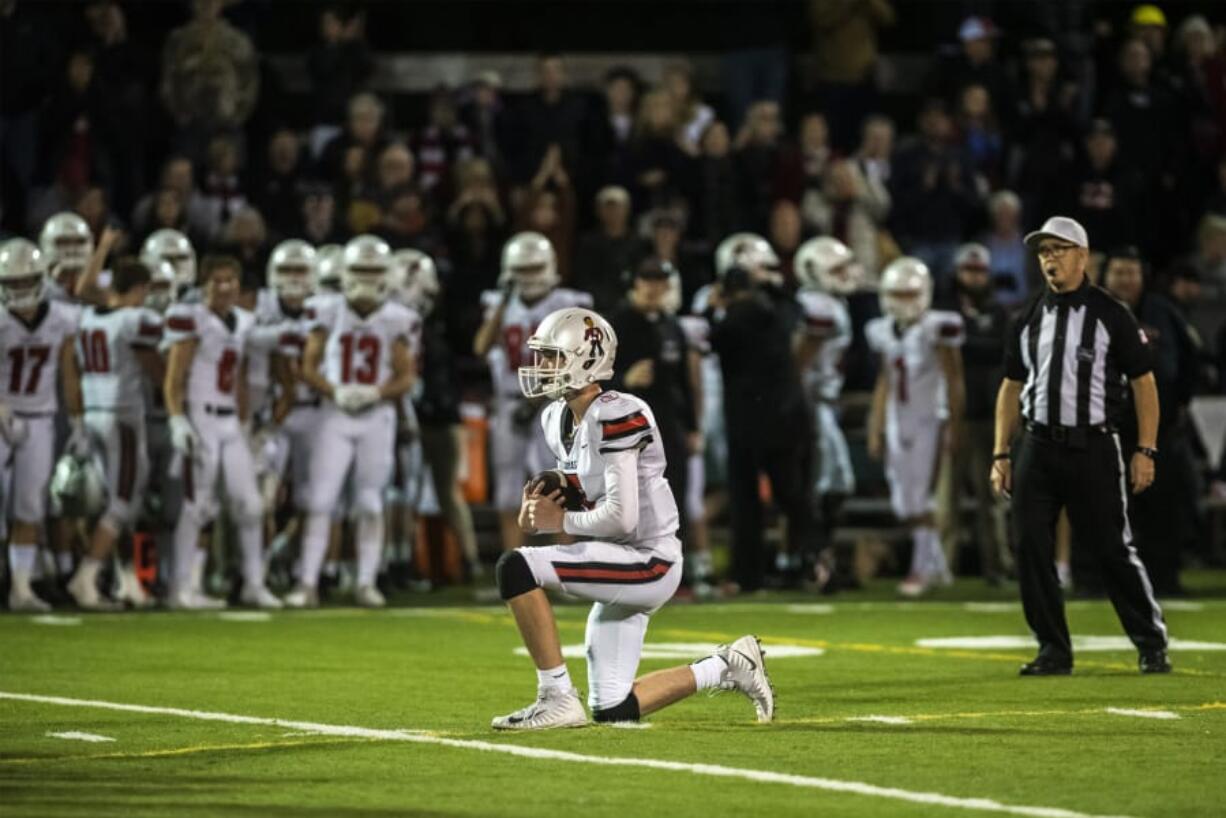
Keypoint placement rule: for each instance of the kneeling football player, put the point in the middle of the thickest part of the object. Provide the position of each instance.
(627, 558)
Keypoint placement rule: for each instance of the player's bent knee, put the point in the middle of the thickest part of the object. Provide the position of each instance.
(513, 575)
(368, 501)
(628, 710)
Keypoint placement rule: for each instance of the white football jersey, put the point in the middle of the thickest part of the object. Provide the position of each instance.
(111, 376)
(826, 319)
(30, 362)
(359, 349)
(221, 344)
(519, 321)
(697, 333)
(917, 382)
(291, 331)
(615, 422)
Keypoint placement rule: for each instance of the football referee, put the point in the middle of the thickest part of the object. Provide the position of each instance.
(1069, 363)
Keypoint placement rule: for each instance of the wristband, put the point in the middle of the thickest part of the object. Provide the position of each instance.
(1152, 454)
(1002, 456)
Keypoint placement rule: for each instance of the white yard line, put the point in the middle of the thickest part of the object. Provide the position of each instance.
(711, 770)
(881, 719)
(53, 619)
(1143, 714)
(73, 735)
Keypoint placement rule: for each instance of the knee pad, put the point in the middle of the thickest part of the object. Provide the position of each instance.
(367, 501)
(513, 575)
(628, 710)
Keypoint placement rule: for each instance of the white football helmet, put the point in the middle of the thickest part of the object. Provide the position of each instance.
(572, 348)
(529, 260)
(415, 280)
(906, 290)
(827, 264)
(66, 242)
(23, 274)
(746, 250)
(328, 266)
(78, 487)
(366, 269)
(291, 269)
(173, 246)
(161, 286)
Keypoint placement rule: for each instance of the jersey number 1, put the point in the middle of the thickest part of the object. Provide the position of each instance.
(95, 357)
(364, 347)
(900, 368)
(18, 356)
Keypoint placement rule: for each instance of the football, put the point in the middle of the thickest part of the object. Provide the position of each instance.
(552, 480)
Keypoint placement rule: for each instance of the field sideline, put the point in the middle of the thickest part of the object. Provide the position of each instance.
(885, 709)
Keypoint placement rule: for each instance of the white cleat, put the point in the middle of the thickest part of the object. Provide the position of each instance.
(746, 672)
(85, 594)
(368, 596)
(302, 597)
(260, 597)
(193, 600)
(24, 599)
(913, 586)
(552, 709)
(130, 590)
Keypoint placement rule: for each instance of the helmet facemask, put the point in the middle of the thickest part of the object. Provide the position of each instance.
(293, 281)
(532, 281)
(365, 284)
(549, 375)
(905, 306)
(24, 292)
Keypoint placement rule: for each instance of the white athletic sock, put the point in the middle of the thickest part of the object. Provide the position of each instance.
(919, 553)
(63, 562)
(185, 539)
(370, 547)
(708, 672)
(555, 678)
(21, 563)
(251, 542)
(200, 558)
(89, 569)
(314, 547)
(937, 564)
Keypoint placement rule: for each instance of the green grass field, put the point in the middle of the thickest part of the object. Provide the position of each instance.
(386, 713)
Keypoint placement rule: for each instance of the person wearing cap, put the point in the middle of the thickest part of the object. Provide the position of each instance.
(975, 63)
(1070, 362)
(1104, 193)
(604, 254)
(1164, 518)
(1148, 24)
(985, 322)
(653, 362)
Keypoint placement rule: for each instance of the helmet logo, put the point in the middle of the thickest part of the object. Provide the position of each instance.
(594, 336)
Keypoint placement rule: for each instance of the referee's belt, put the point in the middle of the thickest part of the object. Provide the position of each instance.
(219, 411)
(1073, 436)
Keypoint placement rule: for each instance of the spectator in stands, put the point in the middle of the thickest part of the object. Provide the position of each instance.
(222, 190)
(876, 149)
(318, 215)
(1190, 78)
(1104, 194)
(1043, 130)
(484, 116)
(364, 130)
(611, 128)
(476, 230)
(758, 149)
(355, 194)
(605, 254)
(976, 63)
(395, 169)
(548, 207)
(658, 167)
(439, 146)
(210, 77)
(245, 237)
(980, 136)
(339, 67)
(277, 191)
(717, 207)
(845, 61)
(177, 175)
(550, 117)
(693, 115)
(94, 206)
(983, 355)
(803, 168)
(408, 221)
(80, 133)
(475, 183)
(1006, 253)
(1148, 25)
(786, 232)
(662, 230)
(757, 69)
(851, 210)
(26, 49)
(1210, 256)
(166, 213)
(932, 186)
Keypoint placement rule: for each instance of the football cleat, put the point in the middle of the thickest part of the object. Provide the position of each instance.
(302, 597)
(23, 598)
(746, 672)
(129, 589)
(259, 596)
(554, 708)
(85, 593)
(368, 596)
(193, 600)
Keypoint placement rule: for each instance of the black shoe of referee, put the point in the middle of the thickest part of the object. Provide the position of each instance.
(1047, 665)
(1153, 661)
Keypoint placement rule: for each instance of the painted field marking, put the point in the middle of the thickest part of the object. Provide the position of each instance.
(1080, 643)
(881, 719)
(711, 770)
(814, 608)
(184, 751)
(73, 735)
(994, 714)
(245, 616)
(52, 619)
(688, 651)
(1142, 714)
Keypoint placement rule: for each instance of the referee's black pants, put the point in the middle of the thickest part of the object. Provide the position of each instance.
(1092, 483)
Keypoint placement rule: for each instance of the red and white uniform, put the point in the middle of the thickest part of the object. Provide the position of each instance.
(627, 559)
(918, 403)
(29, 380)
(358, 351)
(517, 448)
(826, 320)
(291, 448)
(113, 387)
(211, 405)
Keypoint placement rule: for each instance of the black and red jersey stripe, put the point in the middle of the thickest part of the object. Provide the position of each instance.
(181, 323)
(613, 573)
(624, 426)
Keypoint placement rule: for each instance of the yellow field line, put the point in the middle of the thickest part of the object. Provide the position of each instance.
(1006, 713)
(182, 751)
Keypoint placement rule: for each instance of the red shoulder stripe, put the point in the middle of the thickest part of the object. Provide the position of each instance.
(619, 427)
(151, 330)
(950, 330)
(181, 323)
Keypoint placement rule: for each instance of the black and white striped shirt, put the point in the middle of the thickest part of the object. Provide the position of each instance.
(1074, 354)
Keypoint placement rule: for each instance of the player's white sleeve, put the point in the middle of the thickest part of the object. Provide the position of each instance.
(875, 334)
(946, 329)
(617, 515)
(180, 324)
